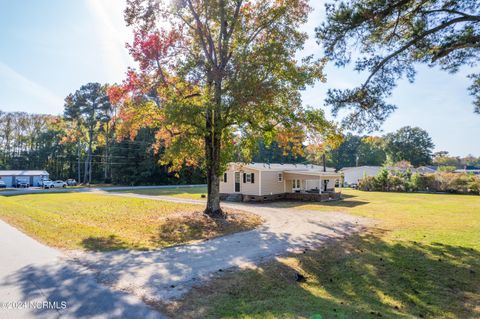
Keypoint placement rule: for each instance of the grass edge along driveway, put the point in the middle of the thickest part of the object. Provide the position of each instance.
(422, 260)
(103, 222)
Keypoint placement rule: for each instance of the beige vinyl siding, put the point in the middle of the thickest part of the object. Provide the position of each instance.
(229, 186)
(270, 183)
(249, 188)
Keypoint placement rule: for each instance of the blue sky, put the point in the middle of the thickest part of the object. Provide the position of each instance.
(50, 48)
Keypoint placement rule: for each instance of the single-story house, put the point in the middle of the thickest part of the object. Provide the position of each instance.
(352, 175)
(32, 177)
(261, 181)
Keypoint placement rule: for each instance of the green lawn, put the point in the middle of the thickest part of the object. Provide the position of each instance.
(101, 222)
(179, 192)
(421, 260)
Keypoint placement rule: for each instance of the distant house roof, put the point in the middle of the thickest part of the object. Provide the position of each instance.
(283, 167)
(23, 173)
(426, 169)
(474, 171)
(354, 167)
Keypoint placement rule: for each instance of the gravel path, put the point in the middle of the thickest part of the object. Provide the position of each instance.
(166, 274)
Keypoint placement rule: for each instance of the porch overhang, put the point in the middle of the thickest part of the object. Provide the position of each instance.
(309, 175)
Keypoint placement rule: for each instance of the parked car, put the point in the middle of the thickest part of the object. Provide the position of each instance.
(54, 184)
(22, 183)
(71, 182)
(2, 184)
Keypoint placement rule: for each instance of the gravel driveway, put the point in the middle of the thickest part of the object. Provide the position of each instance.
(166, 274)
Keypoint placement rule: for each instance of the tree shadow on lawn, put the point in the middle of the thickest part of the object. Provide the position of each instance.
(359, 277)
(106, 243)
(178, 230)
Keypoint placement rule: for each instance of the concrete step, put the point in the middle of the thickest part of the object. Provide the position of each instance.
(234, 198)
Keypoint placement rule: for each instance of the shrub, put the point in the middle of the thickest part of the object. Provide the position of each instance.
(448, 169)
(474, 186)
(437, 182)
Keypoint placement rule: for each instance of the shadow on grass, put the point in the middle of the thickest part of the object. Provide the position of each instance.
(182, 230)
(198, 226)
(177, 231)
(107, 243)
(361, 277)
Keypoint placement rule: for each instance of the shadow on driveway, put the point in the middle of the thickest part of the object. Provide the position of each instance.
(69, 286)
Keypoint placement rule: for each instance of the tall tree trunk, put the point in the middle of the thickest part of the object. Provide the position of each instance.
(78, 161)
(105, 176)
(85, 173)
(88, 172)
(88, 162)
(213, 151)
(90, 169)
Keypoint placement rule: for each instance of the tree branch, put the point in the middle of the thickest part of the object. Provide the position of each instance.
(414, 41)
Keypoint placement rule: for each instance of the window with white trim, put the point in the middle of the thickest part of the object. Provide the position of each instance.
(249, 178)
(280, 177)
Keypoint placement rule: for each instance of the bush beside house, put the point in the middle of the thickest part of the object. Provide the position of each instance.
(395, 181)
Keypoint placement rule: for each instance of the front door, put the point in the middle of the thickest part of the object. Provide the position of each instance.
(237, 182)
(296, 186)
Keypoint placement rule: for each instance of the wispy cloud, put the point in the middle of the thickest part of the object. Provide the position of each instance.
(112, 35)
(26, 88)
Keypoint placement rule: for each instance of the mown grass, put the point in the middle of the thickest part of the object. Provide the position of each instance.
(100, 222)
(420, 260)
(179, 192)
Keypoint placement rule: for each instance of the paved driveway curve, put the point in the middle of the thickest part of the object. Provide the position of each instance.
(31, 274)
(168, 273)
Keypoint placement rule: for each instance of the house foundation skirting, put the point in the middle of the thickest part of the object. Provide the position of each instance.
(305, 197)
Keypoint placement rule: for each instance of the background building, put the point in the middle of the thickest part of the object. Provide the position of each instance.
(11, 178)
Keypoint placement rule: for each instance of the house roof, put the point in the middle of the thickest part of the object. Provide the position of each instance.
(283, 167)
(314, 173)
(23, 173)
(353, 167)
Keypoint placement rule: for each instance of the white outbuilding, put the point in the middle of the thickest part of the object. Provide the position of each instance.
(352, 175)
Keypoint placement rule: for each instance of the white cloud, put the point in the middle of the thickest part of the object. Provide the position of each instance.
(112, 36)
(28, 90)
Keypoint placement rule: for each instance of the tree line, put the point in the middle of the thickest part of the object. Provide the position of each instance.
(406, 146)
(61, 146)
(89, 143)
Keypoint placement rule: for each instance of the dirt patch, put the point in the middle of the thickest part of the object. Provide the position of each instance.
(187, 228)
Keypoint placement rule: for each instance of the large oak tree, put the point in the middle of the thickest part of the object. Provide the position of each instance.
(387, 38)
(216, 74)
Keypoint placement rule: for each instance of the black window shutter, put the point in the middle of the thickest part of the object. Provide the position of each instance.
(253, 178)
(244, 178)
(225, 177)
